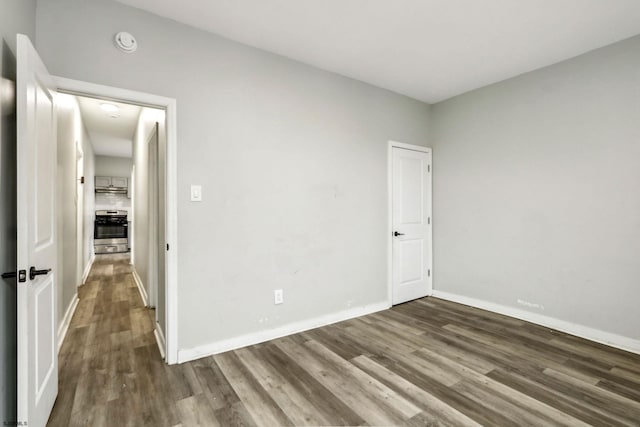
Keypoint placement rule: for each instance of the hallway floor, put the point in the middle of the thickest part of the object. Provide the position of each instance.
(109, 359)
(424, 363)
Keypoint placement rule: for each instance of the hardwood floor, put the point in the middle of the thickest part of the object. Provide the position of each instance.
(425, 363)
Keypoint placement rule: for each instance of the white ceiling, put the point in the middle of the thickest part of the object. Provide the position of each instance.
(428, 49)
(110, 136)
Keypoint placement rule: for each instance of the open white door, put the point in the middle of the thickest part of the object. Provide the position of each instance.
(411, 223)
(36, 170)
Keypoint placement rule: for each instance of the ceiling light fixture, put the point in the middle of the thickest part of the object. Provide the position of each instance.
(109, 108)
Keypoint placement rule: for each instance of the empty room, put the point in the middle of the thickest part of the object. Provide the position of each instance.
(320, 212)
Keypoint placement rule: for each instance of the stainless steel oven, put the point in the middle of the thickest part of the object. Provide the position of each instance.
(111, 232)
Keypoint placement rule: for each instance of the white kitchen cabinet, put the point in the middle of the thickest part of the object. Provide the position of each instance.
(112, 185)
(112, 181)
(119, 181)
(103, 181)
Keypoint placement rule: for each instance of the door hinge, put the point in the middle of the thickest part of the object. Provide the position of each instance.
(167, 246)
(428, 168)
(429, 220)
(429, 272)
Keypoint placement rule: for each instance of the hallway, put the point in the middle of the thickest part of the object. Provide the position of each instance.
(109, 359)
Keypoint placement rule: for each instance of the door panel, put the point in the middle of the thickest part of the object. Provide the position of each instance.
(412, 259)
(36, 239)
(411, 204)
(411, 185)
(43, 188)
(44, 340)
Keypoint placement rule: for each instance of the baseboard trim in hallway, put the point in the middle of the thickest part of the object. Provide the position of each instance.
(160, 340)
(87, 269)
(141, 289)
(66, 320)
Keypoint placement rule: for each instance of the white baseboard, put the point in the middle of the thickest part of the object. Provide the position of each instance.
(66, 320)
(271, 334)
(141, 289)
(160, 340)
(87, 269)
(602, 337)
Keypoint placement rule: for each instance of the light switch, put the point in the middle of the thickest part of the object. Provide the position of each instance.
(196, 193)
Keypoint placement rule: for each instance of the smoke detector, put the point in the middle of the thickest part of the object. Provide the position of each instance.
(126, 42)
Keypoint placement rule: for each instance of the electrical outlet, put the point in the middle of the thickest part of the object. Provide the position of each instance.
(278, 296)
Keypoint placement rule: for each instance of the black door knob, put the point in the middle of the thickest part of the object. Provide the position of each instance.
(33, 272)
(396, 234)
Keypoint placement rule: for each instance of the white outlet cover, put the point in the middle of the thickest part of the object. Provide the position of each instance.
(278, 296)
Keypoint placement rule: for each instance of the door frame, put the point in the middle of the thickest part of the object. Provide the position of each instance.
(429, 213)
(81, 88)
(131, 240)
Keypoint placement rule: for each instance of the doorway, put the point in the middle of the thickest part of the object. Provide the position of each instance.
(410, 225)
(40, 184)
(159, 111)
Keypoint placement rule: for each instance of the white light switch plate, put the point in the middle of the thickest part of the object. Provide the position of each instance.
(278, 296)
(196, 193)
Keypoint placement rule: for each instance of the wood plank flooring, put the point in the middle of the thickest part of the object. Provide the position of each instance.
(425, 363)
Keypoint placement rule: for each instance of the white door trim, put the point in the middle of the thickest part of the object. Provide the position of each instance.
(77, 87)
(132, 186)
(391, 146)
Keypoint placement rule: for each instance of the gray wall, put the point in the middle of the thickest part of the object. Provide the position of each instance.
(71, 130)
(66, 210)
(113, 166)
(15, 16)
(292, 161)
(536, 191)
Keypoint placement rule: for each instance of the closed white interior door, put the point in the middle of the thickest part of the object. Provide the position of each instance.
(411, 224)
(36, 177)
